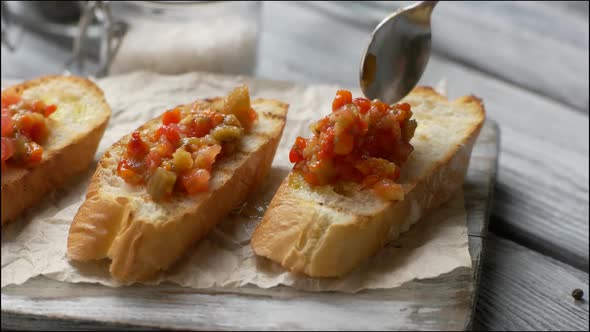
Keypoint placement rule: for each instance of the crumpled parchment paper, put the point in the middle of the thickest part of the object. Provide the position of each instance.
(36, 243)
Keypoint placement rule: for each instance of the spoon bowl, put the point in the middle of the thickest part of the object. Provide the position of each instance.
(397, 54)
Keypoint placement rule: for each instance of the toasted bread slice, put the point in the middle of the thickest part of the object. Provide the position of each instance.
(75, 131)
(324, 233)
(142, 237)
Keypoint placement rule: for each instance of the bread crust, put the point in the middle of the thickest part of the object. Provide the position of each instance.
(109, 226)
(313, 237)
(21, 187)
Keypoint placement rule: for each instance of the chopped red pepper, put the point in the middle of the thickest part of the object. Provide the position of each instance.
(24, 124)
(296, 153)
(195, 181)
(7, 123)
(136, 147)
(10, 99)
(170, 131)
(363, 104)
(126, 172)
(343, 97)
(171, 116)
(50, 109)
(327, 146)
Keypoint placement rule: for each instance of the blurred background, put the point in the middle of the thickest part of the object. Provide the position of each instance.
(543, 45)
(528, 61)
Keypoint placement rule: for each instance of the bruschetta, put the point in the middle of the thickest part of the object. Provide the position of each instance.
(163, 187)
(367, 174)
(51, 127)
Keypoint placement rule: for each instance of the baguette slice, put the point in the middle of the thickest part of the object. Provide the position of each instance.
(324, 233)
(142, 237)
(75, 131)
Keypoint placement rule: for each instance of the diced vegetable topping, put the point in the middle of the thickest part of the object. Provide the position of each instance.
(361, 141)
(179, 155)
(24, 130)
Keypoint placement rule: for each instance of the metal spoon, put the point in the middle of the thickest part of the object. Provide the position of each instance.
(397, 53)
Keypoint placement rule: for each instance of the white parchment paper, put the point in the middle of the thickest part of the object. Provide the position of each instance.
(36, 243)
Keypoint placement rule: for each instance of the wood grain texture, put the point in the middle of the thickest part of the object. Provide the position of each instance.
(542, 179)
(523, 290)
(543, 48)
(480, 180)
(442, 303)
(67, 306)
(541, 193)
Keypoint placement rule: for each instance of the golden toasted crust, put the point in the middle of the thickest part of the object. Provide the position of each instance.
(324, 234)
(22, 188)
(140, 244)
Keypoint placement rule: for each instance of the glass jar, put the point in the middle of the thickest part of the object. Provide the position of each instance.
(174, 37)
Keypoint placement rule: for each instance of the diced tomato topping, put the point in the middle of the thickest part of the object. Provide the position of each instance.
(195, 181)
(295, 156)
(126, 172)
(171, 116)
(379, 105)
(35, 154)
(363, 104)
(33, 126)
(389, 190)
(137, 148)
(7, 123)
(212, 117)
(364, 144)
(10, 99)
(7, 149)
(180, 154)
(39, 131)
(345, 144)
(403, 112)
(343, 97)
(153, 160)
(205, 157)
(403, 106)
(164, 148)
(23, 123)
(327, 145)
(301, 143)
(170, 131)
(50, 109)
(199, 128)
(39, 107)
(296, 153)
(311, 178)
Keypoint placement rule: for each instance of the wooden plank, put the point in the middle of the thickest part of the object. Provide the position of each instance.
(418, 305)
(478, 189)
(480, 180)
(523, 290)
(543, 48)
(544, 162)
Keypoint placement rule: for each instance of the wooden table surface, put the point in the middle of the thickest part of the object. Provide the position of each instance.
(529, 63)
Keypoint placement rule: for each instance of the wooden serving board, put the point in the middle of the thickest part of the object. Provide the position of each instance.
(444, 303)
